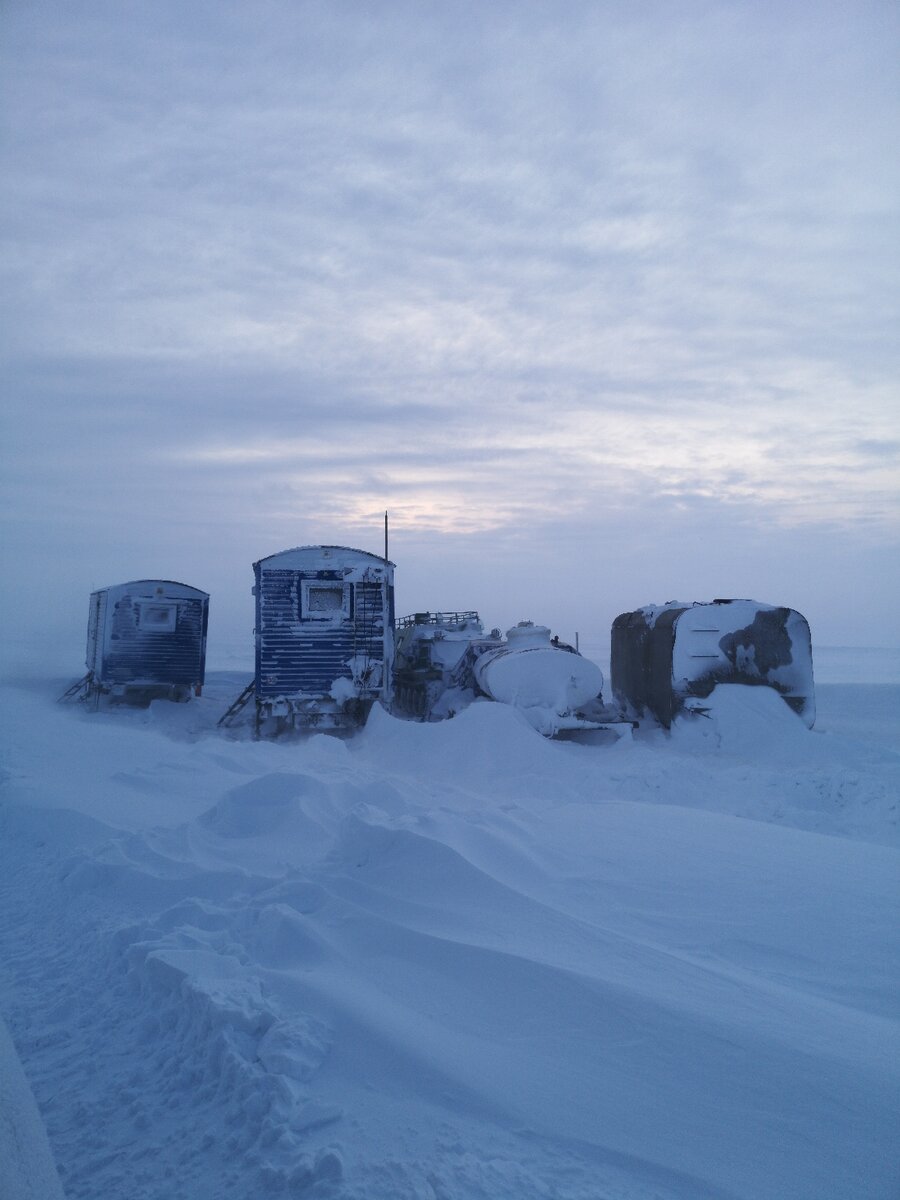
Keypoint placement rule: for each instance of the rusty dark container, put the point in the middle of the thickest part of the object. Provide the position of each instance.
(662, 655)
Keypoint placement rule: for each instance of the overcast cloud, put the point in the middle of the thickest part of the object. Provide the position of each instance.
(599, 300)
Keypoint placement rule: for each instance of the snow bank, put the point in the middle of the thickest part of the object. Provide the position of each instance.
(27, 1169)
(454, 959)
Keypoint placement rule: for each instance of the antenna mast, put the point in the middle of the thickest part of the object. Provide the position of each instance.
(385, 536)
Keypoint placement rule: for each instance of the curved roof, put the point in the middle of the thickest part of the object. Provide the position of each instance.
(346, 549)
(156, 582)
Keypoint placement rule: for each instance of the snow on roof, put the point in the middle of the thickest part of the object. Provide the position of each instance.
(345, 549)
(156, 582)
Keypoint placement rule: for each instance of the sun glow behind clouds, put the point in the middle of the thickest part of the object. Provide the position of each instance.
(446, 476)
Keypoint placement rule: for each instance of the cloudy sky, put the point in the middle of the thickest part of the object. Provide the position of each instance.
(599, 300)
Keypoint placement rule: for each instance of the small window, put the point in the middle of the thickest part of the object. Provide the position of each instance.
(325, 601)
(158, 618)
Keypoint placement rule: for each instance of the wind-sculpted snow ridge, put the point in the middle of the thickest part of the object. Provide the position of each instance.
(455, 960)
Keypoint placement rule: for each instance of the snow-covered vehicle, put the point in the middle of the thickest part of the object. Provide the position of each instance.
(434, 654)
(443, 661)
(668, 658)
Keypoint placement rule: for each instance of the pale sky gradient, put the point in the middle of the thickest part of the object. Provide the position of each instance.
(599, 300)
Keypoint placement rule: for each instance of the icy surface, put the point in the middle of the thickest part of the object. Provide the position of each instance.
(457, 960)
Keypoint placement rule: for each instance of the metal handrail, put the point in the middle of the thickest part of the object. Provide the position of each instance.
(437, 618)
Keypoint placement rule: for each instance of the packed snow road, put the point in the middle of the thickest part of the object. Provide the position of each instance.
(457, 960)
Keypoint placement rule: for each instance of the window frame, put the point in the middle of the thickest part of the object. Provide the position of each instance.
(345, 611)
(147, 626)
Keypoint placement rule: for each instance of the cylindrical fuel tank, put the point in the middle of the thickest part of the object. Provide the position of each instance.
(529, 671)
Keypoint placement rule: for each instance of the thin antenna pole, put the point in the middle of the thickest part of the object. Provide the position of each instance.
(385, 536)
(576, 641)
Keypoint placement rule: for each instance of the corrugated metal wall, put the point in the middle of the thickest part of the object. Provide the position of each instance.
(133, 654)
(304, 657)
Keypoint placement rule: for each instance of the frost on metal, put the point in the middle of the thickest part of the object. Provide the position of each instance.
(663, 655)
(324, 636)
(444, 661)
(146, 639)
(433, 661)
(551, 684)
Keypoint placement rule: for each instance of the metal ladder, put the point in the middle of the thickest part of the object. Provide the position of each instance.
(236, 706)
(79, 690)
(368, 606)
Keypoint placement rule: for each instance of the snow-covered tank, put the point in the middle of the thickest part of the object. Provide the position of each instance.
(146, 640)
(444, 661)
(324, 636)
(663, 656)
(545, 678)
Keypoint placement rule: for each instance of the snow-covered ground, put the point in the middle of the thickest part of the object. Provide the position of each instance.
(457, 960)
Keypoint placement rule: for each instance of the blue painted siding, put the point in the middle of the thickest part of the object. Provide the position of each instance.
(298, 655)
(129, 652)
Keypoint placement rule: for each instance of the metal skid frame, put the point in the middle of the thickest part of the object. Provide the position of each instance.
(308, 714)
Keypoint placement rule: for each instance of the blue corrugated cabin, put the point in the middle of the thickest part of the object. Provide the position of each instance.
(324, 635)
(147, 639)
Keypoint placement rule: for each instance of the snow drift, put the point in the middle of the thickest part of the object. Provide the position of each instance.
(454, 960)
